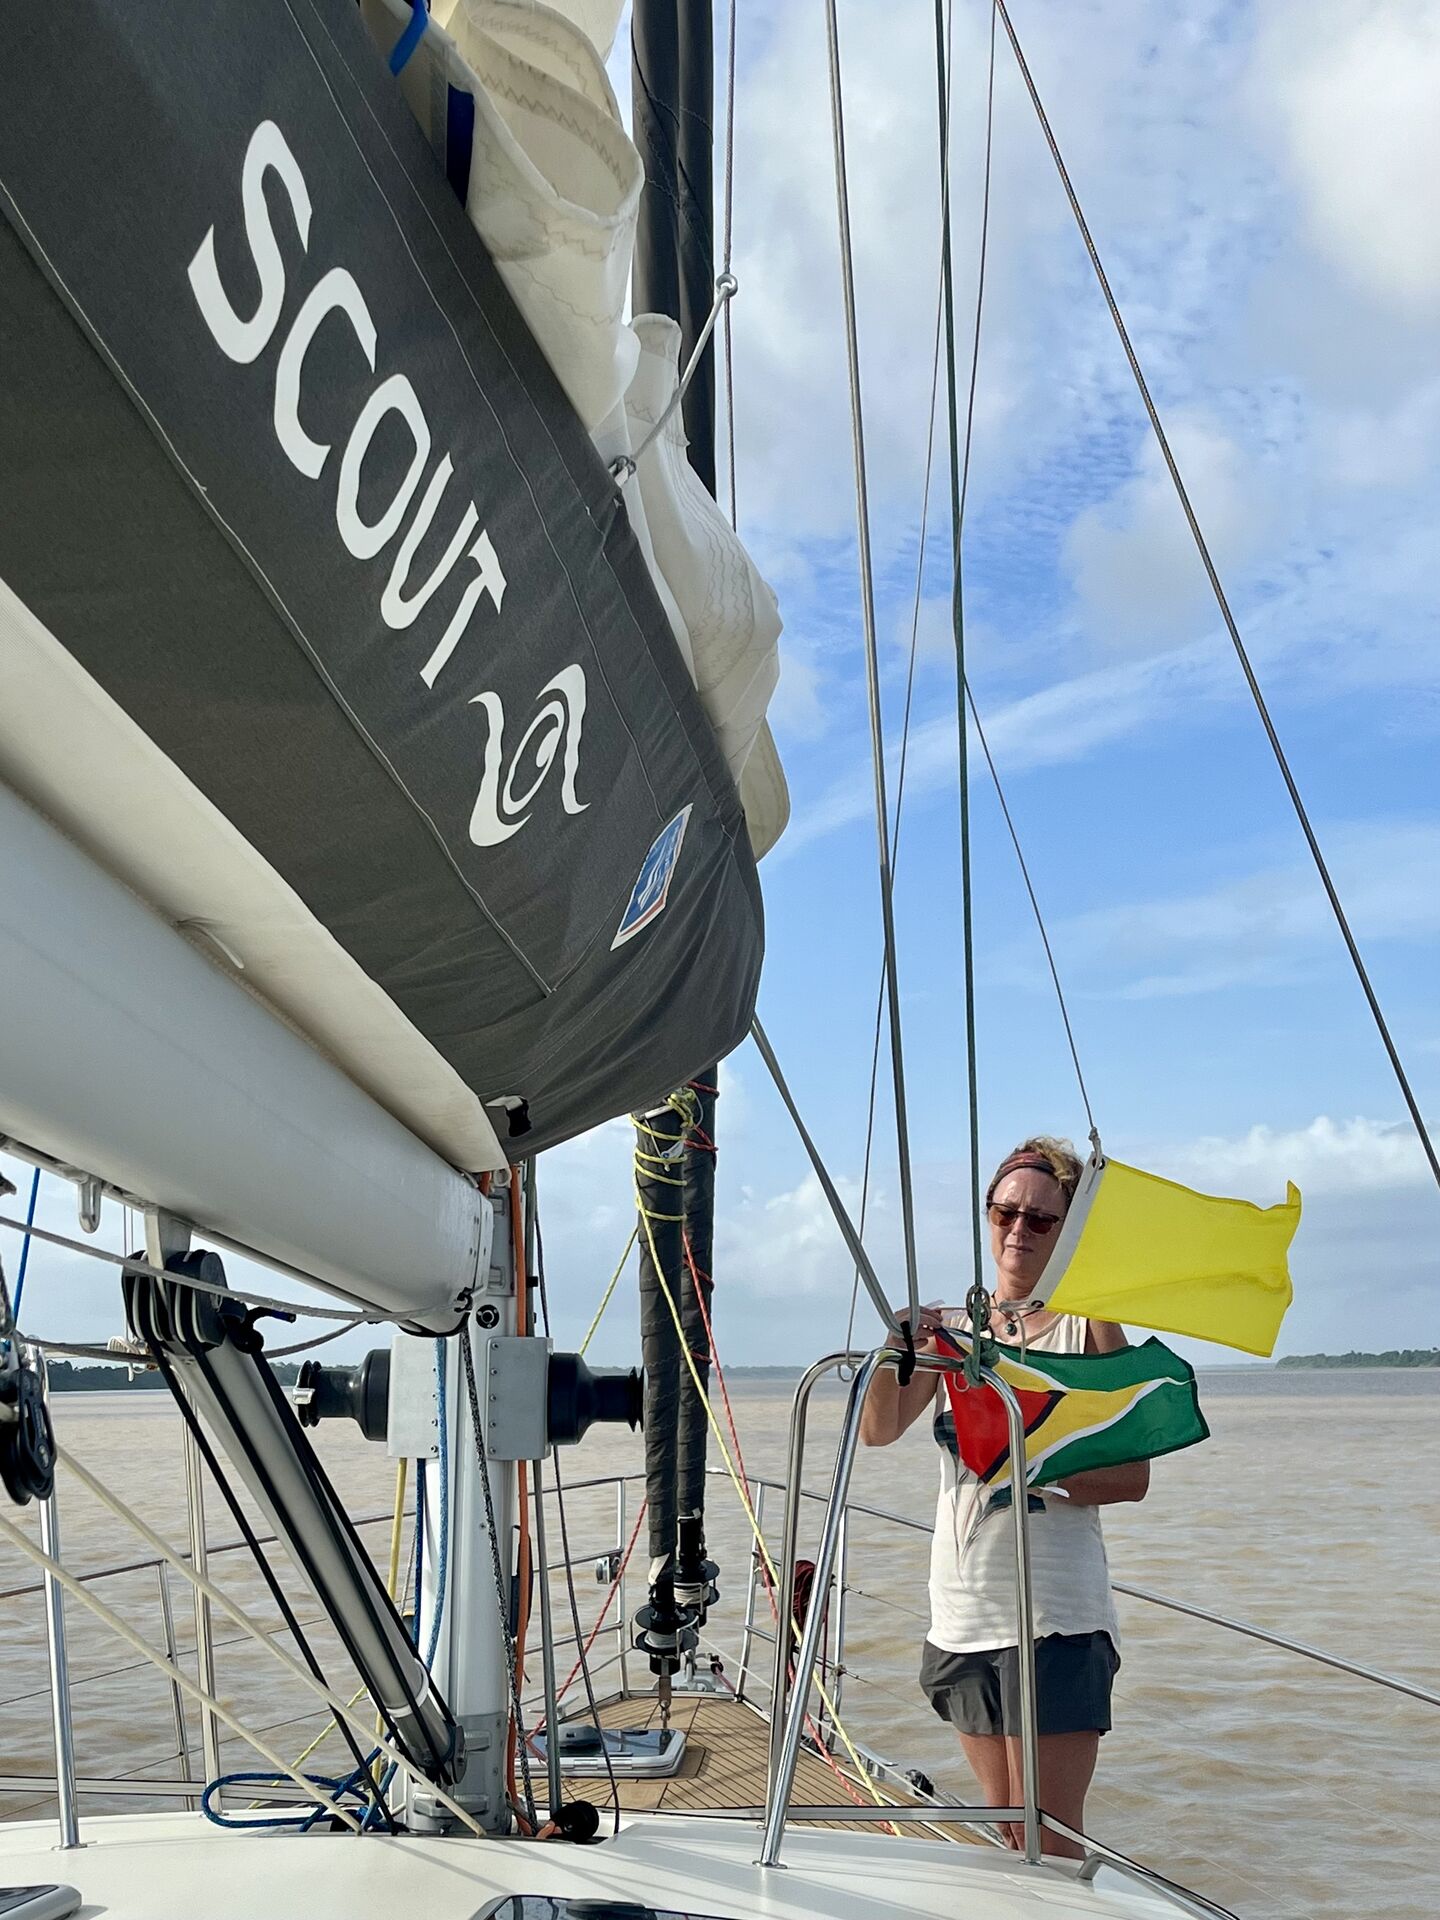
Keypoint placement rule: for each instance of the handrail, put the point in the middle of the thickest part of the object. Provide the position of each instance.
(142, 1566)
(1394, 1682)
(1390, 1680)
(784, 1751)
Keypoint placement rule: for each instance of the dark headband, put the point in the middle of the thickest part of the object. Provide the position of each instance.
(1015, 1163)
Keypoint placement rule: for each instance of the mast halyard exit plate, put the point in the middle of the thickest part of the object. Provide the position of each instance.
(651, 1753)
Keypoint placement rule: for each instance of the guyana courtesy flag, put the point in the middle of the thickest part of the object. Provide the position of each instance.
(1081, 1410)
(1146, 1252)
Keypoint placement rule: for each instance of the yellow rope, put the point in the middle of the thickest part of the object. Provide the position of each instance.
(609, 1292)
(392, 1579)
(323, 1735)
(248, 1625)
(176, 1674)
(646, 1217)
(397, 1529)
(614, 1281)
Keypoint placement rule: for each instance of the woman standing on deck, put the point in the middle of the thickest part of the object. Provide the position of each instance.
(970, 1668)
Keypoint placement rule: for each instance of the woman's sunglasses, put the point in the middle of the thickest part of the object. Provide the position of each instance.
(1041, 1223)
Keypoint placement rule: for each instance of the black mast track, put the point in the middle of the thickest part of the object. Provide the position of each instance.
(673, 53)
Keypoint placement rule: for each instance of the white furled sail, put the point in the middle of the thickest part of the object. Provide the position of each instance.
(554, 188)
(731, 618)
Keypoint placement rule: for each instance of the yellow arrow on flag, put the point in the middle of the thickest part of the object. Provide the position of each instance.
(1142, 1250)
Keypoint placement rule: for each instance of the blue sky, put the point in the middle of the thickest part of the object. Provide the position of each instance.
(1262, 181)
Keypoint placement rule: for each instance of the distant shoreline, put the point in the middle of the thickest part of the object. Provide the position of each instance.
(1401, 1358)
(68, 1377)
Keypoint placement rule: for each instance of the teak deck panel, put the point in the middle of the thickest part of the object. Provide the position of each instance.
(725, 1765)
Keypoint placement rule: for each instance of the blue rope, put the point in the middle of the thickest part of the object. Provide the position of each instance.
(410, 39)
(443, 1554)
(336, 1789)
(350, 1784)
(373, 1813)
(419, 1545)
(25, 1245)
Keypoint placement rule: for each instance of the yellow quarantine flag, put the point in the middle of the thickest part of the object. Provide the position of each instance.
(1149, 1253)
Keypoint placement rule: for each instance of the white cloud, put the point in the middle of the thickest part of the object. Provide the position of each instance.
(1132, 557)
(1184, 196)
(1354, 87)
(787, 1244)
(797, 707)
(1327, 1157)
(1382, 446)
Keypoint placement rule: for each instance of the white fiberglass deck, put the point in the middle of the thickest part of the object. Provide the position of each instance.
(175, 1866)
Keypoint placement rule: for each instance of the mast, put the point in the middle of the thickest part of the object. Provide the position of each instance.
(673, 64)
(695, 1573)
(672, 45)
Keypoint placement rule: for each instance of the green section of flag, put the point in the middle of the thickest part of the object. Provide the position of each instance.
(1081, 1411)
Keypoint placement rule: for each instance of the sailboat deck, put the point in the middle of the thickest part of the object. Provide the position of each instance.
(725, 1767)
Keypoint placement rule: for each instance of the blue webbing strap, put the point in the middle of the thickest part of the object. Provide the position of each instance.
(410, 39)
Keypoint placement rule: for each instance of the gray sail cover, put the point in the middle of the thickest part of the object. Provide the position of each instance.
(282, 469)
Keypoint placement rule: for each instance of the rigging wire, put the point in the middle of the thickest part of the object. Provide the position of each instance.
(872, 665)
(1035, 909)
(122, 1628)
(727, 247)
(946, 53)
(610, 1289)
(900, 779)
(613, 1590)
(162, 1362)
(285, 1308)
(25, 1243)
(711, 1349)
(625, 465)
(959, 483)
(863, 1262)
(742, 1492)
(583, 1662)
(1222, 603)
(77, 1587)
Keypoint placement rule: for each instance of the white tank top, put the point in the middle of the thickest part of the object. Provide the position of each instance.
(972, 1556)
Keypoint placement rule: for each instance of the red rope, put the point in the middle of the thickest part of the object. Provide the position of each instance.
(604, 1609)
(695, 1275)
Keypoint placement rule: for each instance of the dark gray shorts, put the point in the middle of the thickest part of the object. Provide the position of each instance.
(980, 1692)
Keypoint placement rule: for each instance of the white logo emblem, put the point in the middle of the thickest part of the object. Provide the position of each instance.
(499, 810)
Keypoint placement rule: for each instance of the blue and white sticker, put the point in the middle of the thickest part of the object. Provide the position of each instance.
(652, 884)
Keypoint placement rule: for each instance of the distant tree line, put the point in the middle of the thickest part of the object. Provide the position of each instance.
(69, 1376)
(1395, 1357)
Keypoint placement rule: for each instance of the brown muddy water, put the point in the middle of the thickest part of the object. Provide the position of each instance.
(1284, 1789)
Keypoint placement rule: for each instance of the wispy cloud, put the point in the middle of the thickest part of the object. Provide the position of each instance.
(1264, 925)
